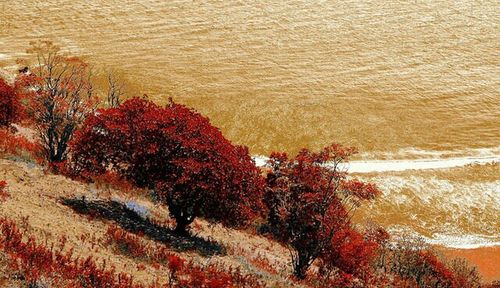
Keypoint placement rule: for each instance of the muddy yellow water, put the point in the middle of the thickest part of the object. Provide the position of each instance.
(279, 75)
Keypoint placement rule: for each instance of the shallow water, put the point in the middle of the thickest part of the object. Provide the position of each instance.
(386, 76)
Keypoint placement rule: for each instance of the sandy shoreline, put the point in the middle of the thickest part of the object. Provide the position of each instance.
(486, 259)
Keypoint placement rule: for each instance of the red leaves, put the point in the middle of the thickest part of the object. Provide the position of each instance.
(351, 253)
(9, 104)
(3, 193)
(34, 261)
(175, 263)
(310, 200)
(18, 145)
(361, 190)
(177, 152)
(182, 273)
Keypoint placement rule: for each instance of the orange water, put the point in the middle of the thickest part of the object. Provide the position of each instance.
(381, 75)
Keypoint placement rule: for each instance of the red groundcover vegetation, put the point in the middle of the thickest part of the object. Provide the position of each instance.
(182, 273)
(37, 264)
(35, 261)
(16, 145)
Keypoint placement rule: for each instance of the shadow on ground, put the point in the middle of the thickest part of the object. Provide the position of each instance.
(133, 222)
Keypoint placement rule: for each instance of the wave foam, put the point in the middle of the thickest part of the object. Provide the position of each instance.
(367, 166)
(462, 241)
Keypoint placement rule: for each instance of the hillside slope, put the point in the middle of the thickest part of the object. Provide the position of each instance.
(35, 205)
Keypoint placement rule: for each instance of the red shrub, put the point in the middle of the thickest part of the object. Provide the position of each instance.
(177, 152)
(3, 193)
(9, 104)
(350, 253)
(11, 144)
(175, 263)
(309, 203)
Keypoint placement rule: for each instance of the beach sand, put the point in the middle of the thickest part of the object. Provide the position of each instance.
(487, 260)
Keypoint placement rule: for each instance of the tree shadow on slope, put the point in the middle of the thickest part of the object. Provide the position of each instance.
(133, 222)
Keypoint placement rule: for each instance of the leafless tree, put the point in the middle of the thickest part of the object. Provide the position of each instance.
(115, 91)
(60, 96)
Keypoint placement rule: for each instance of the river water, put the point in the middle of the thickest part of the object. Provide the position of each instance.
(398, 79)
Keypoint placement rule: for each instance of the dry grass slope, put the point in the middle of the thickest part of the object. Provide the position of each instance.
(35, 205)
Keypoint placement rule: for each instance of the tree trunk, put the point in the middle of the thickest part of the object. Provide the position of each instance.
(301, 265)
(182, 221)
(181, 226)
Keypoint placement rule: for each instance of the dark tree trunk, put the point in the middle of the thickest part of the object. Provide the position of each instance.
(181, 227)
(182, 219)
(301, 264)
(183, 212)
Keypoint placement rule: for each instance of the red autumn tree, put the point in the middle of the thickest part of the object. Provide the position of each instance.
(59, 95)
(311, 200)
(178, 153)
(9, 105)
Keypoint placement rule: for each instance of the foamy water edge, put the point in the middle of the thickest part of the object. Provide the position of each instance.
(368, 166)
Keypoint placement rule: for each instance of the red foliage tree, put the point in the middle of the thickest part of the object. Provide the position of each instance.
(9, 105)
(3, 194)
(311, 200)
(59, 97)
(176, 152)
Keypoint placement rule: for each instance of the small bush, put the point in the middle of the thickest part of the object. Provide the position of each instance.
(3, 192)
(14, 145)
(9, 104)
